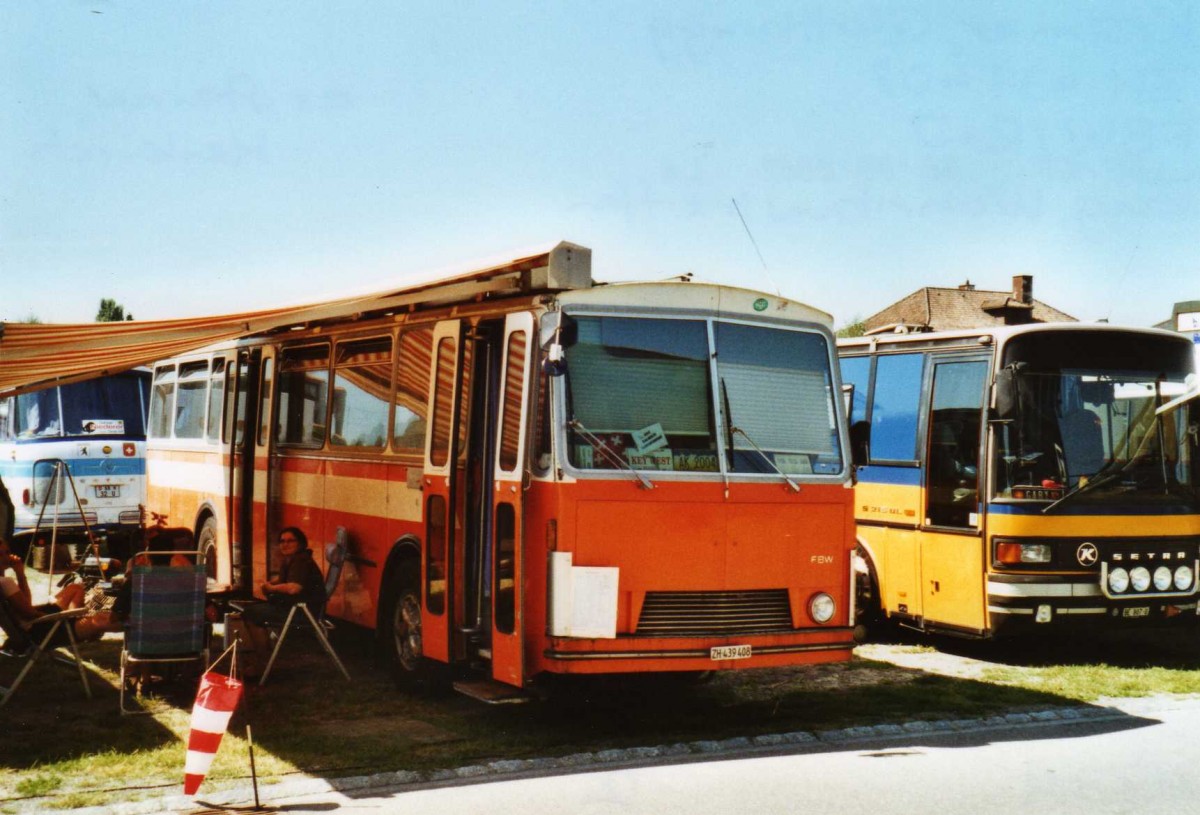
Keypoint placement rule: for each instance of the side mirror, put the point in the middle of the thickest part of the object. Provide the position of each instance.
(566, 334)
(860, 443)
(1008, 394)
(555, 362)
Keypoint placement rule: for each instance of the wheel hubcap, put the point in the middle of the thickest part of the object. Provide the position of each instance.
(407, 630)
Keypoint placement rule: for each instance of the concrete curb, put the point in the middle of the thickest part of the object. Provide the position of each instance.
(612, 759)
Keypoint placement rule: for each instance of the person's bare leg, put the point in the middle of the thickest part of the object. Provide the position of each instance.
(71, 596)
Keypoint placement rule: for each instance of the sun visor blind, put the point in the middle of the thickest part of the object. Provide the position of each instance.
(618, 393)
(757, 396)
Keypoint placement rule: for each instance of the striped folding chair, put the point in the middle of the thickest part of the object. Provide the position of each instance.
(55, 632)
(166, 619)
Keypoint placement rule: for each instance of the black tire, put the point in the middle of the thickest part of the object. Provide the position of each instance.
(868, 608)
(400, 632)
(206, 544)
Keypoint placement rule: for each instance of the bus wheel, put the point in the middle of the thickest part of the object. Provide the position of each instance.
(402, 627)
(868, 616)
(206, 545)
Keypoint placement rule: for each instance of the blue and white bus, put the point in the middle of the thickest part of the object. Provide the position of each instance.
(98, 429)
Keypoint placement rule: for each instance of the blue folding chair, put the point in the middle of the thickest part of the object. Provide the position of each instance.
(166, 619)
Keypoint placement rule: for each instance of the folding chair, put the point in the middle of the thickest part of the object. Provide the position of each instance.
(166, 618)
(335, 558)
(21, 645)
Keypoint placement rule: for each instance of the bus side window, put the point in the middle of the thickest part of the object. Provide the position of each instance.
(264, 400)
(191, 398)
(541, 422)
(894, 406)
(361, 388)
(952, 462)
(216, 399)
(412, 390)
(162, 400)
(856, 373)
(303, 396)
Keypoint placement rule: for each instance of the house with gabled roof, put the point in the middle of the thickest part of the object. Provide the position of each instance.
(943, 309)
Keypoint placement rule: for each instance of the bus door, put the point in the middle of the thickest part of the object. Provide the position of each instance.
(508, 492)
(264, 503)
(952, 550)
(440, 490)
(241, 410)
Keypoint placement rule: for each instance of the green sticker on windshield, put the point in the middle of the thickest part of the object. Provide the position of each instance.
(760, 304)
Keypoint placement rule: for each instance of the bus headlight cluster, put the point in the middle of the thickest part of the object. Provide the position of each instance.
(1140, 578)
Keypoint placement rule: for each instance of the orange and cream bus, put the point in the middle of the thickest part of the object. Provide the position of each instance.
(537, 473)
(1027, 478)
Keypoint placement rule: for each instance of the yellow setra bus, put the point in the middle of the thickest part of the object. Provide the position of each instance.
(1025, 478)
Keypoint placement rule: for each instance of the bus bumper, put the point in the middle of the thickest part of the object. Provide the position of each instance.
(1022, 608)
(626, 654)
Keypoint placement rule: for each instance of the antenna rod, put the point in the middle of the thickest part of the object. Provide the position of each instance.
(754, 243)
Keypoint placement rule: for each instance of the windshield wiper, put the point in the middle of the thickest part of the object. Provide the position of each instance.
(1097, 481)
(795, 487)
(728, 437)
(608, 455)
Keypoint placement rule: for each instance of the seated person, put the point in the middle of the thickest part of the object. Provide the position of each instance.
(20, 600)
(299, 581)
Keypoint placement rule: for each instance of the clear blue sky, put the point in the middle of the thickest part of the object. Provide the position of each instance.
(204, 157)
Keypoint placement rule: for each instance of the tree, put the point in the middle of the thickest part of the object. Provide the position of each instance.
(111, 312)
(855, 328)
(31, 319)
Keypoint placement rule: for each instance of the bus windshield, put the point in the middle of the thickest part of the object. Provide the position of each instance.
(644, 389)
(1085, 427)
(109, 406)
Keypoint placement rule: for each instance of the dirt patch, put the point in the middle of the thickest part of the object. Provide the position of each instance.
(924, 659)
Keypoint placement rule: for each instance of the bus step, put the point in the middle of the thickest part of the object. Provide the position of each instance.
(491, 692)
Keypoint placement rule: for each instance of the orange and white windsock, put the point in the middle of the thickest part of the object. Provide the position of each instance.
(215, 702)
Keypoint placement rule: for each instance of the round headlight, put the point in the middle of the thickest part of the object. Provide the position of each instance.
(1183, 578)
(1118, 580)
(1162, 578)
(821, 608)
(1139, 578)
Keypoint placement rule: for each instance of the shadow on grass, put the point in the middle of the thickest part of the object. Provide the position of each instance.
(49, 720)
(380, 729)
(310, 720)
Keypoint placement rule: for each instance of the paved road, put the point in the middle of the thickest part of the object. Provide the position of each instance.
(1145, 762)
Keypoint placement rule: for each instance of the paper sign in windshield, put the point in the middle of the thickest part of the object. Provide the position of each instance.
(649, 439)
(104, 426)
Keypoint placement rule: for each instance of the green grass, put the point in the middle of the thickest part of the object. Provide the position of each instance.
(63, 751)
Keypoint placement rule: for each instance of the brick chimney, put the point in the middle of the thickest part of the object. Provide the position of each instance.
(1022, 290)
(968, 286)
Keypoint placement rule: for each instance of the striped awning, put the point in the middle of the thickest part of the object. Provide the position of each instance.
(38, 355)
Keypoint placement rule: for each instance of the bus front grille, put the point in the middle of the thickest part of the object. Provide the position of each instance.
(697, 613)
